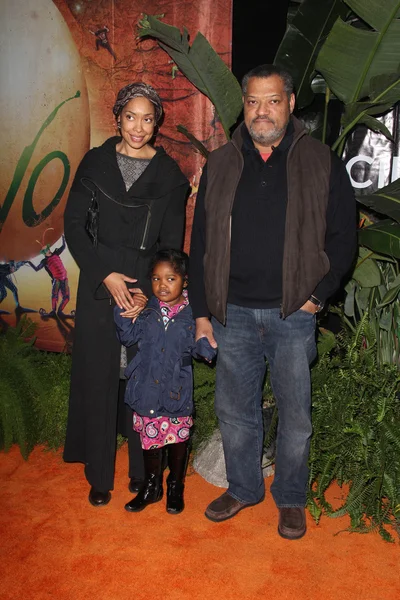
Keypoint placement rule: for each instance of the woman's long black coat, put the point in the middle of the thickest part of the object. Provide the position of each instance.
(132, 226)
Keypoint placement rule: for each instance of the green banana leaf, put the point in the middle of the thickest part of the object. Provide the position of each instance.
(352, 57)
(372, 11)
(382, 237)
(303, 39)
(385, 88)
(376, 126)
(355, 110)
(366, 272)
(385, 201)
(201, 65)
(193, 140)
(363, 296)
(384, 92)
(392, 293)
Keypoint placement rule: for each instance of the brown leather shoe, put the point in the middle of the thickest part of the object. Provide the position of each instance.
(225, 507)
(292, 522)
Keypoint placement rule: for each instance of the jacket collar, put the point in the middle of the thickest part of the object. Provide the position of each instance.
(153, 304)
(160, 178)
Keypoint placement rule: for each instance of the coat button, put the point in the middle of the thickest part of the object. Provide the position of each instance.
(162, 349)
(156, 381)
(152, 412)
(263, 183)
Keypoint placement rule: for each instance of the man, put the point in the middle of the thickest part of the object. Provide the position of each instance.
(274, 233)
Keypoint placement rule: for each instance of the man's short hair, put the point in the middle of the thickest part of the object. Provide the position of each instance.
(265, 71)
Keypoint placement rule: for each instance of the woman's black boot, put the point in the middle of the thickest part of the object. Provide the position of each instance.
(178, 456)
(152, 490)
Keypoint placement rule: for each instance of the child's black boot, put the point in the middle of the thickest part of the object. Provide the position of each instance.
(152, 490)
(178, 456)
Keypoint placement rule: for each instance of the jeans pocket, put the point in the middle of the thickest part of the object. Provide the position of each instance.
(306, 312)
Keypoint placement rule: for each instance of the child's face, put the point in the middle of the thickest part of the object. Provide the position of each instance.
(167, 285)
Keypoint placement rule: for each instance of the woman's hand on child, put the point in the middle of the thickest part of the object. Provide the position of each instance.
(139, 300)
(115, 283)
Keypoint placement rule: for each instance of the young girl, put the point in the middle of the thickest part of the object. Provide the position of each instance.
(160, 381)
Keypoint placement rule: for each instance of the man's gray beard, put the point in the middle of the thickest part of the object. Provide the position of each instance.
(267, 138)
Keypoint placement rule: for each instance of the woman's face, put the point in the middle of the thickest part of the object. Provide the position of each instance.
(137, 121)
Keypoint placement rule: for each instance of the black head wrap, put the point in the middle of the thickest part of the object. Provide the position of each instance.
(137, 90)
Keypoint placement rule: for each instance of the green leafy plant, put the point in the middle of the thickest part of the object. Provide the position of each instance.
(367, 86)
(204, 390)
(369, 83)
(374, 289)
(19, 384)
(51, 405)
(34, 389)
(319, 40)
(199, 62)
(356, 439)
(305, 35)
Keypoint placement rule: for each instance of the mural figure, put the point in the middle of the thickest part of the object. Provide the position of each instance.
(6, 282)
(59, 277)
(102, 39)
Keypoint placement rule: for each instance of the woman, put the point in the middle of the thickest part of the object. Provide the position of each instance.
(126, 202)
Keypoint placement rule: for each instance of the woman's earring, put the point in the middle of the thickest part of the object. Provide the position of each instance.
(119, 125)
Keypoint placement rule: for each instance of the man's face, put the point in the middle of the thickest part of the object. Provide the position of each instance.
(267, 109)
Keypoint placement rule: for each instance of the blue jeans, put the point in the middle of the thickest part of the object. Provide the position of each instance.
(249, 337)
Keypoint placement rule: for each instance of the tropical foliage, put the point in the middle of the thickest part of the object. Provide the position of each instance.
(34, 388)
(374, 289)
(367, 85)
(320, 39)
(204, 389)
(201, 65)
(356, 440)
(18, 386)
(305, 35)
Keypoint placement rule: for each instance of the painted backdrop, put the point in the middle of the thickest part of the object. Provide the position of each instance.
(61, 64)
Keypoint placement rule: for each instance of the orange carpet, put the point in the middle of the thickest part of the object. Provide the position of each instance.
(54, 545)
